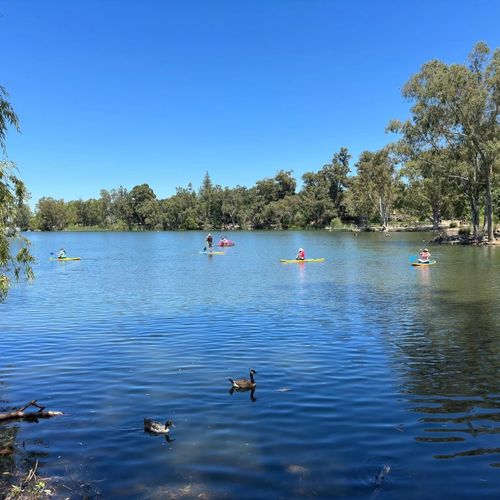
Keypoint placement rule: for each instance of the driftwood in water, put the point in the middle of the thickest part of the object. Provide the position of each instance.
(31, 415)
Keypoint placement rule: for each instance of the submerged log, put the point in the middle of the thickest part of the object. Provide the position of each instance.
(20, 413)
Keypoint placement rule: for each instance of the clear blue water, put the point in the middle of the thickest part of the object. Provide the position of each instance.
(362, 361)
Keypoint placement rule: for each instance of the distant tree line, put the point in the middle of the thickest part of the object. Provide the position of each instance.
(444, 165)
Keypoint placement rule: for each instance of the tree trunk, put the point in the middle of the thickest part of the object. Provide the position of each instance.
(436, 217)
(475, 218)
(474, 191)
(489, 204)
(384, 218)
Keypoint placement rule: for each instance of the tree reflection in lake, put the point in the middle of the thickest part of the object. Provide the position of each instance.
(451, 375)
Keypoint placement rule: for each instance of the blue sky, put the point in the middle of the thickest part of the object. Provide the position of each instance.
(122, 92)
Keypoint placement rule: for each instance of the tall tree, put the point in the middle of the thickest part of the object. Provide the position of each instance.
(322, 196)
(379, 181)
(145, 212)
(430, 191)
(335, 174)
(456, 108)
(358, 203)
(206, 201)
(106, 203)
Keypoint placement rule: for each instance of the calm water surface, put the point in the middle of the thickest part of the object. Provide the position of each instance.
(362, 361)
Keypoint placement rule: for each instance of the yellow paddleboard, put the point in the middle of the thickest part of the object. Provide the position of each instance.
(430, 263)
(297, 261)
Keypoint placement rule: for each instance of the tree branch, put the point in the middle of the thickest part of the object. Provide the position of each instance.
(32, 415)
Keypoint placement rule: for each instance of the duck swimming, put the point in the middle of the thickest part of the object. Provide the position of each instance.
(243, 383)
(156, 427)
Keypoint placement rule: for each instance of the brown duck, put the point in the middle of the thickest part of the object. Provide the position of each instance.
(156, 427)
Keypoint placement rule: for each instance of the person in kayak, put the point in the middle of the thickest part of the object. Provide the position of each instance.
(209, 241)
(61, 254)
(424, 256)
(301, 255)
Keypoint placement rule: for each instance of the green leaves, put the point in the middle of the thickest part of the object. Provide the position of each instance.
(15, 258)
(7, 117)
(455, 116)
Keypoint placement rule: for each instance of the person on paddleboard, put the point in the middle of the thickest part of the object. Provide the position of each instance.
(424, 256)
(301, 255)
(209, 241)
(61, 254)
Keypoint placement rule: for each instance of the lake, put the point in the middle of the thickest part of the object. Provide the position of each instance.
(362, 362)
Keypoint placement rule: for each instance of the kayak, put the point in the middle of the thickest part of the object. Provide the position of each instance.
(417, 264)
(296, 261)
(65, 258)
(227, 243)
(212, 253)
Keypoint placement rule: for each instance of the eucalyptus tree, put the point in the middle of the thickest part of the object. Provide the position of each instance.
(14, 250)
(496, 201)
(323, 192)
(456, 109)
(335, 174)
(378, 182)
(357, 203)
(430, 190)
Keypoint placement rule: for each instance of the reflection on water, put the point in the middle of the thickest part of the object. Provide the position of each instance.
(453, 362)
(365, 364)
(424, 279)
(250, 391)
